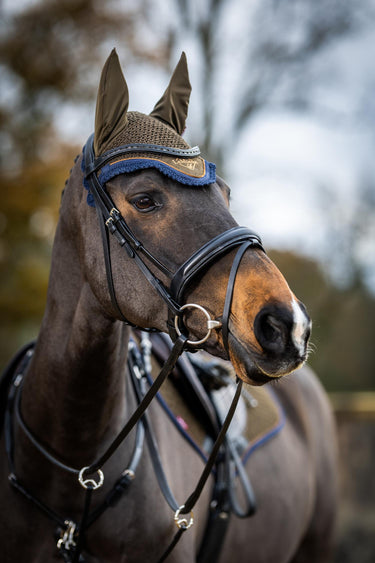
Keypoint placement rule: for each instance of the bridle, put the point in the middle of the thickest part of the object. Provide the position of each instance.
(113, 223)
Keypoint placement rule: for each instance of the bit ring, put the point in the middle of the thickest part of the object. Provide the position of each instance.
(211, 323)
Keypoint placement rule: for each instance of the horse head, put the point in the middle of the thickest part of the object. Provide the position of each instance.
(165, 205)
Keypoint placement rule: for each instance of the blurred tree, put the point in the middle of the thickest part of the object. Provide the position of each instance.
(28, 217)
(47, 53)
(350, 229)
(256, 55)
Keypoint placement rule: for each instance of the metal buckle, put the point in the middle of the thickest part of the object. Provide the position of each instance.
(85, 483)
(67, 536)
(211, 323)
(183, 522)
(114, 215)
(129, 473)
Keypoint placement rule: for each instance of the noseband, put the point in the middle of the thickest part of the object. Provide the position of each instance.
(111, 221)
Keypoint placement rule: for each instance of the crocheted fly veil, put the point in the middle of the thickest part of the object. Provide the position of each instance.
(147, 141)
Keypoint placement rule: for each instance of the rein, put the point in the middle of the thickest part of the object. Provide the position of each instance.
(113, 223)
(70, 536)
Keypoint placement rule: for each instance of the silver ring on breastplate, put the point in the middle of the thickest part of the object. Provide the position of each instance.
(90, 482)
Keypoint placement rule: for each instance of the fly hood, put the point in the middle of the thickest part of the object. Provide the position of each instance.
(126, 141)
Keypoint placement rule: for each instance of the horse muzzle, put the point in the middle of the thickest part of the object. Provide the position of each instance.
(279, 329)
(281, 343)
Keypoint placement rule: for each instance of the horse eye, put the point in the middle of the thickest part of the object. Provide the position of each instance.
(144, 203)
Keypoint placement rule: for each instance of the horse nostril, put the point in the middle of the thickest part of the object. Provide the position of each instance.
(272, 330)
(271, 327)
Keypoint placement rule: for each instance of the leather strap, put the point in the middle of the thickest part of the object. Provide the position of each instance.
(194, 496)
(233, 466)
(83, 524)
(88, 518)
(114, 221)
(229, 294)
(108, 265)
(188, 383)
(217, 521)
(177, 350)
(208, 253)
(125, 479)
(139, 385)
(190, 502)
(139, 382)
(172, 545)
(35, 441)
(204, 257)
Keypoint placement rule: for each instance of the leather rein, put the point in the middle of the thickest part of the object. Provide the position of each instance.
(113, 223)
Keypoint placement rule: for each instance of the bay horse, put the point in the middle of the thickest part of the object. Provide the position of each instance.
(145, 239)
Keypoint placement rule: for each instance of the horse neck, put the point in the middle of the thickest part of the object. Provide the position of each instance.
(73, 395)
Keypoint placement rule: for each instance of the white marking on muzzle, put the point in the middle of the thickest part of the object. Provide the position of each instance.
(301, 325)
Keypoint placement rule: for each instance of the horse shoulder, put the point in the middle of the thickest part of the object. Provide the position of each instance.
(308, 408)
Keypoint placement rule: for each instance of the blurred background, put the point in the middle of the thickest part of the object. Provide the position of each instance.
(283, 101)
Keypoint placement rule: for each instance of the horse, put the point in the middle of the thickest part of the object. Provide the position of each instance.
(146, 242)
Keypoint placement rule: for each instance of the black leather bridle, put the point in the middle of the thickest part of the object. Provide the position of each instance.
(112, 222)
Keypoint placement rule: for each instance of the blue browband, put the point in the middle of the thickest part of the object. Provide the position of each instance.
(185, 166)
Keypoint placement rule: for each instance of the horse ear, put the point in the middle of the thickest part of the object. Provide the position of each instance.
(172, 108)
(111, 105)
